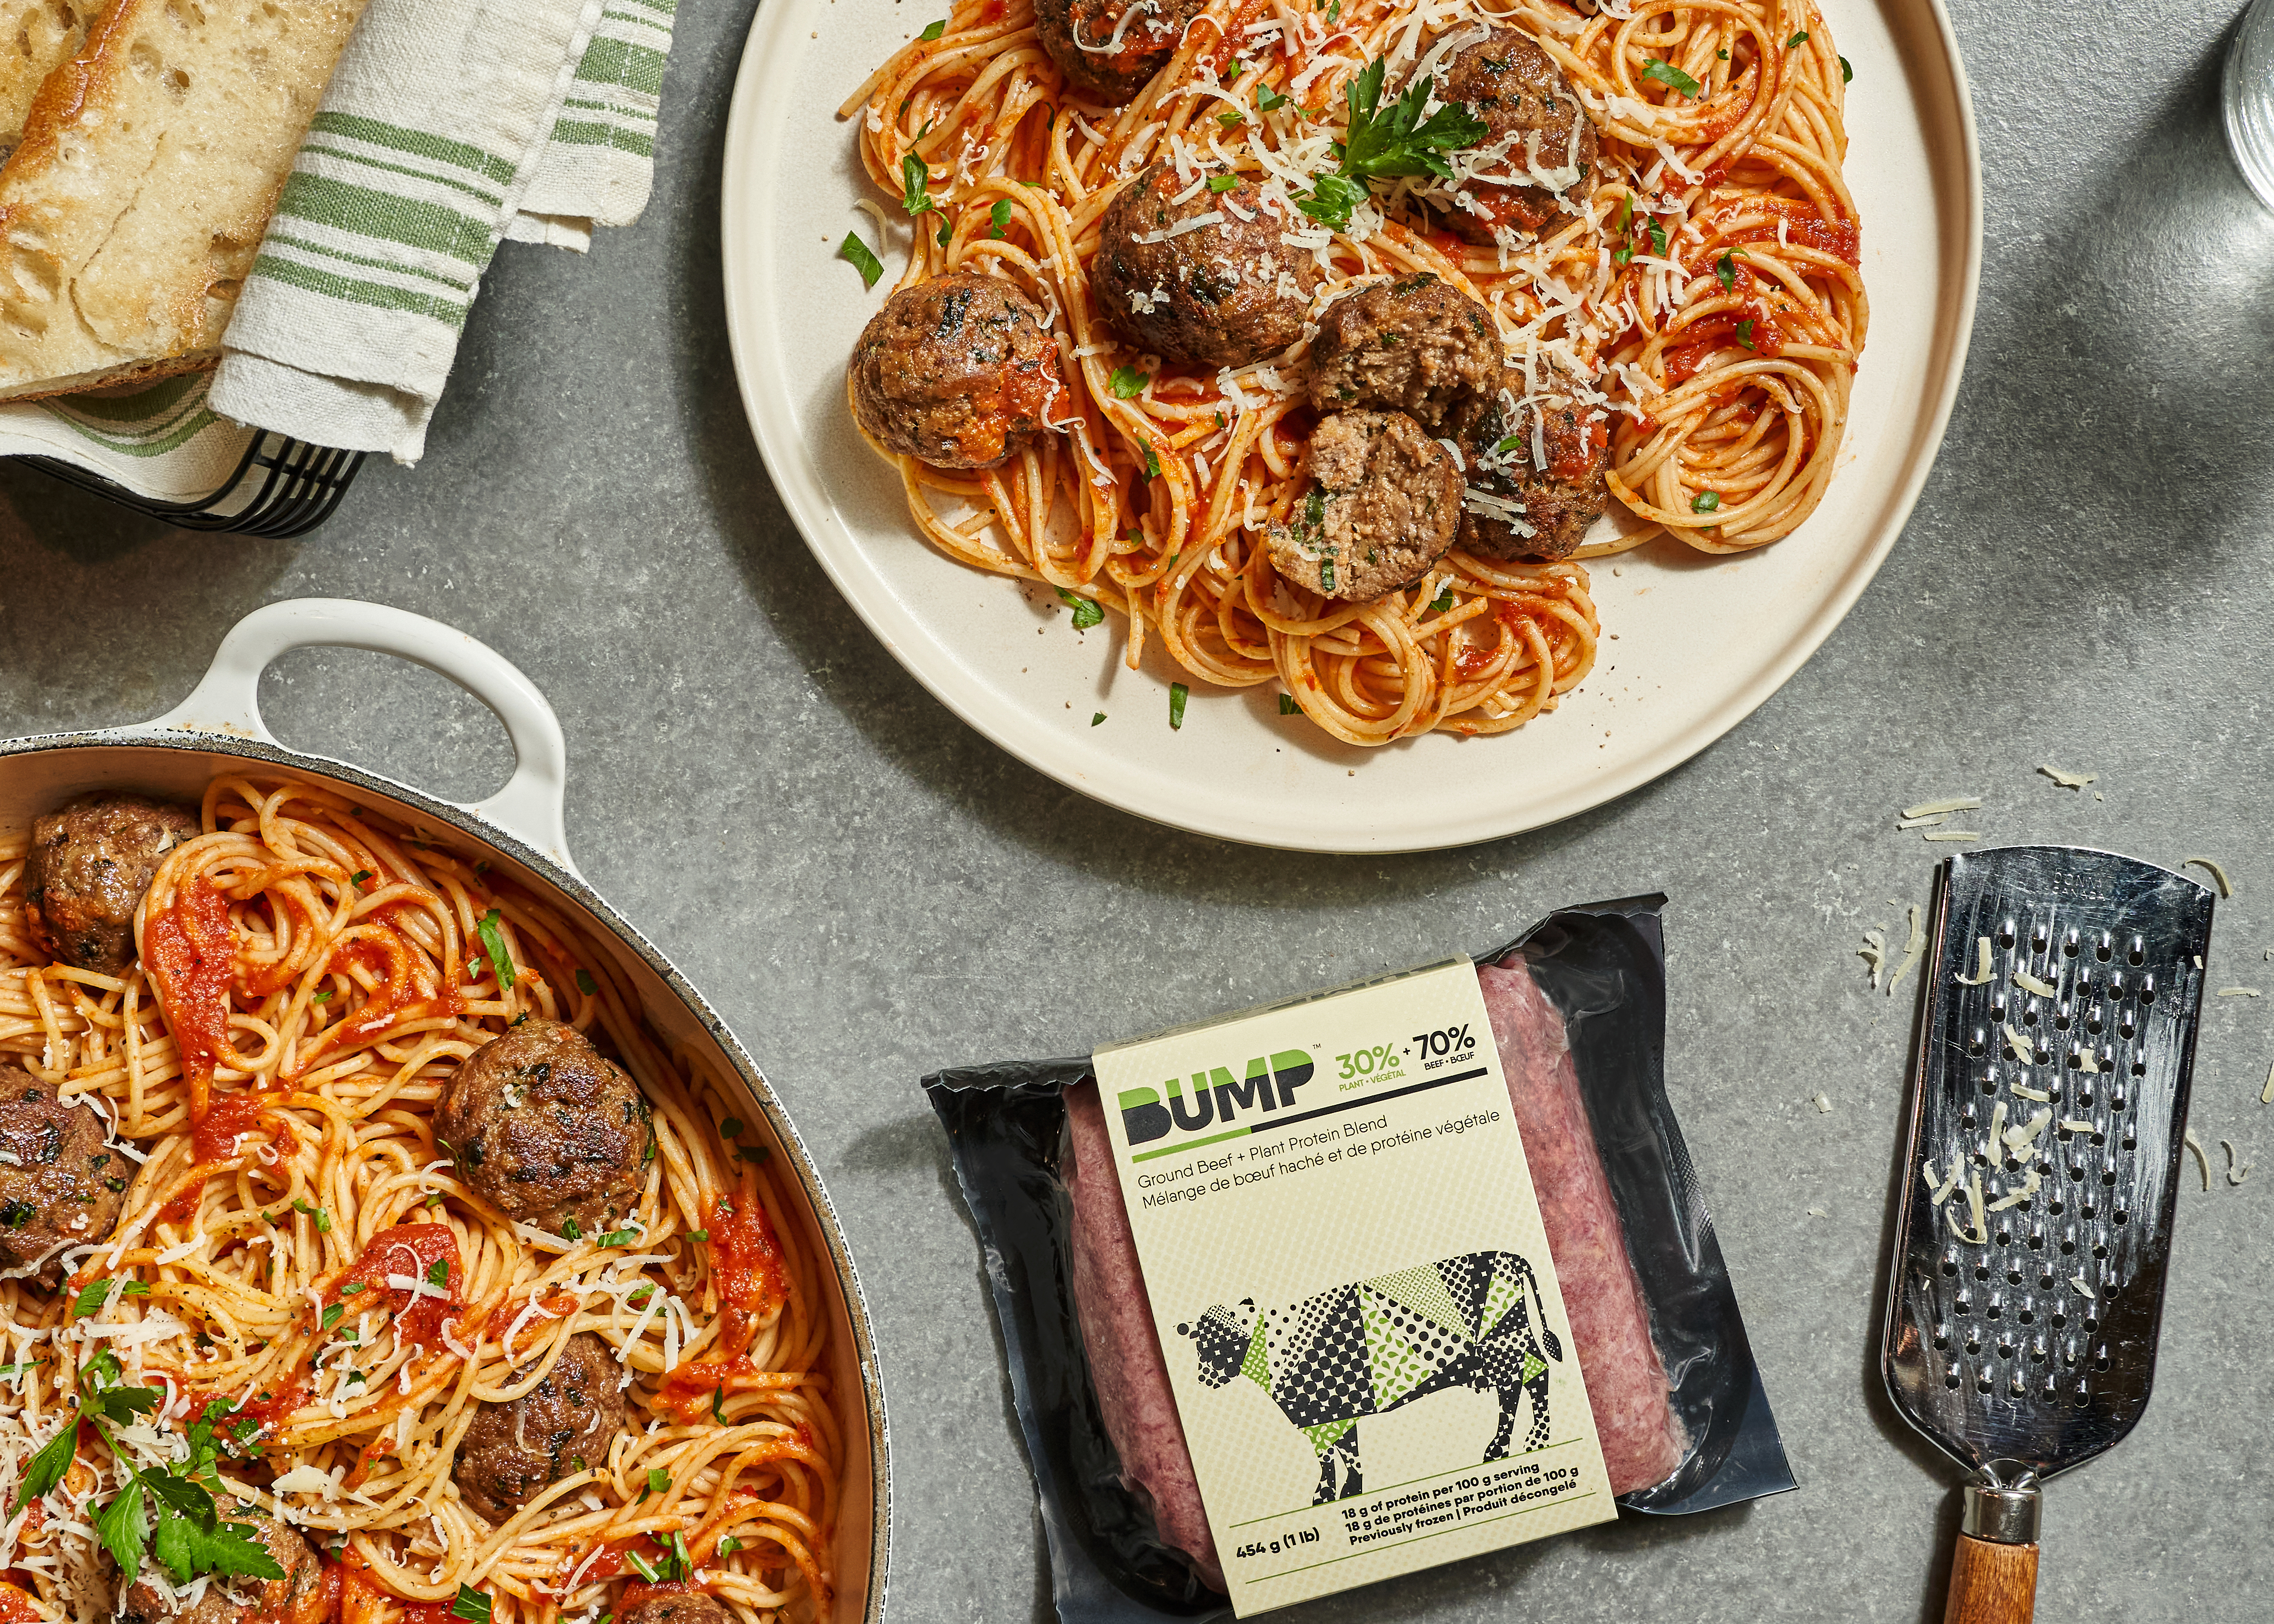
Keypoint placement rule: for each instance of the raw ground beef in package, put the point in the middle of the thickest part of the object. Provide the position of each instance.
(1578, 1010)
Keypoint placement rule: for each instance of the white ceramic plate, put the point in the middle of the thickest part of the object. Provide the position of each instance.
(1700, 641)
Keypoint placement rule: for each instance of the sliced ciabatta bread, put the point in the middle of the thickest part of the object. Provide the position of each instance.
(36, 38)
(130, 213)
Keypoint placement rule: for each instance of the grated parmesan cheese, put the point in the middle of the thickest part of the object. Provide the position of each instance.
(2030, 983)
(2019, 1042)
(2203, 1160)
(2066, 780)
(2234, 1175)
(1951, 803)
(1982, 970)
(2226, 885)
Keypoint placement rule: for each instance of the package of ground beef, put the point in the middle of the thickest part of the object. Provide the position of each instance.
(1578, 1010)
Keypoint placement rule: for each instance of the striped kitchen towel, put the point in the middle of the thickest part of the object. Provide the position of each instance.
(450, 126)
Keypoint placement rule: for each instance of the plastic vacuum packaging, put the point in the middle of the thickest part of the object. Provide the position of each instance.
(1578, 1013)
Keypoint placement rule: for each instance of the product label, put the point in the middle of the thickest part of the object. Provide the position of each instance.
(1350, 1283)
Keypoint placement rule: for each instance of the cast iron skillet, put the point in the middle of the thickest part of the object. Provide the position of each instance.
(521, 831)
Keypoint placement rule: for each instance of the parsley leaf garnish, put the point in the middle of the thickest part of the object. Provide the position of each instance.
(1269, 100)
(932, 31)
(471, 1606)
(438, 1272)
(1221, 184)
(1846, 73)
(331, 1316)
(49, 1466)
(997, 217)
(323, 1219)
(1745, 333)
(1666, 73)
(1797, 40)
(1096, 720)
(1127, 383)
(864, 262)
(915, 180)
(586, 984)
(1443, 601)
(493, 943)
(1725, 269)
(1086, 611)
(1286, 704)
(1177, 694)
(1706, 501)
(1384, 145)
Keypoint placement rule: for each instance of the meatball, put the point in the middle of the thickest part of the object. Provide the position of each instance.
(1561, 499)
(89, 864)
(1382, 508)
(58, 1187)
(692, 1607)
(1100, 69)
(296, 1599)
(512, 1450)
(957, 371)
(1523, 99)
(1224, 295)
(1417, 345)
(545, 1129)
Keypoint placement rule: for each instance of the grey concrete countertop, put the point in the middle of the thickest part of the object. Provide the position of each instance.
(869, 890)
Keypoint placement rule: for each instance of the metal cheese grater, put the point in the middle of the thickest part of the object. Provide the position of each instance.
(2021, 1335)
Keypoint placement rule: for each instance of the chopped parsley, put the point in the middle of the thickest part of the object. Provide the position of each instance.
(1286, 704)
(1666, 73)
(359, 876)
(323, 1219)
(438, 1272)
(1237, 67)
(1095, 720)
(729, 1546)
(915, 182)
(324, 996)
(619, 1237)
(571, 1230)
(1228, 120)
(1706, 501)
(1327, 574)
(586, 984)
(1745, 332)
(698, 1235)
(998, 217)
(493, 943)
(1269, 100)
(1128, 383)
(1443, 601)
(1385, 145)
(718, 1405)
(1657, 237)
(659, 1480)
(1725, 269)
(1797, 41)
(863, 260)
(946, 230)
(932, 31)
(471, 1606)
(1846, 73)
(1086, 612)
(332, 1316)
(352, 1287)
(1177, 694)
(1221, 184)
(732, 1128)
(1153, 469)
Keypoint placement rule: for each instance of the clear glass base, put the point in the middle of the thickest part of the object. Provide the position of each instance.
(2249, 96)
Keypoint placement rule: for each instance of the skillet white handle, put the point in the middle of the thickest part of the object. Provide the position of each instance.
(227, 700)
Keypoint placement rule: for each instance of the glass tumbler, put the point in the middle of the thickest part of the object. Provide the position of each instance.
(2249, 91)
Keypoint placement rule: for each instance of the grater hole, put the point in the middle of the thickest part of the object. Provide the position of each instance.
(2138, 953)
(2119, 1097)
(2103, 950)
(2084, 1209)
(2139, 1065)
(2119, 1216)
(1998, 1005)
(2115, 984)
(1942, 1337)
(2100, 1357)
(2037, 938)
(2131, 1139)
(2005, 1348)
(2054, 1207)
(2126, 1028)
(2099, 1249)
(2026, 1315)
(2076, 1172)
(2091, 1324)
(2029, 1015)
(2016, 1386)
(2108, 1175)
(1978, 1040)
(1963, 1302)
(2037, 1240)
(1982, 1380)
(2005, 934)
(2068, 1243)
(2096, 1021)
(2045, 1283)
(2083, 1400)
(1990, 1082)
(1995, 1309)
(2038, 1351)
(1974, 1341)
(2062, 1016)
(1950, 1378)
(2068, 944)
(2147, 989)
(2059, 1319)
(1966, 1117)
(2014, 1278)
(1949, 1263)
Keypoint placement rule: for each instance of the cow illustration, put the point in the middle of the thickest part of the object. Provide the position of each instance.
(1363, 1350)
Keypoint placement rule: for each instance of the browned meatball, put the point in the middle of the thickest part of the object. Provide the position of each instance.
(512, 1450)
(1416, 345)
(1381, 510)
(292, 1599)
(546, 1130)
(957, 371)
(1555, 475)
(1081, 37)
(91, 860)
(58, 1187)
(1224, 295)
(692, 1607)
(1527, 105)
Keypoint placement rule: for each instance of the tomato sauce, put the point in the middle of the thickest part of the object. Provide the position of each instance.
(409, 1250)
(16, 1608)
(747, 1269)
(191, 951)
(214, 1144)
(689, 1388)
(360, 1598)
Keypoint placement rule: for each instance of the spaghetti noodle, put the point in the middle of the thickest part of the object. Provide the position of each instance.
(1701, 278)
(297, 1245)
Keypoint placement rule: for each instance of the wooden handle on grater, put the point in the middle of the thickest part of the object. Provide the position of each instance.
(1990, 1583)
(1993, 1574)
